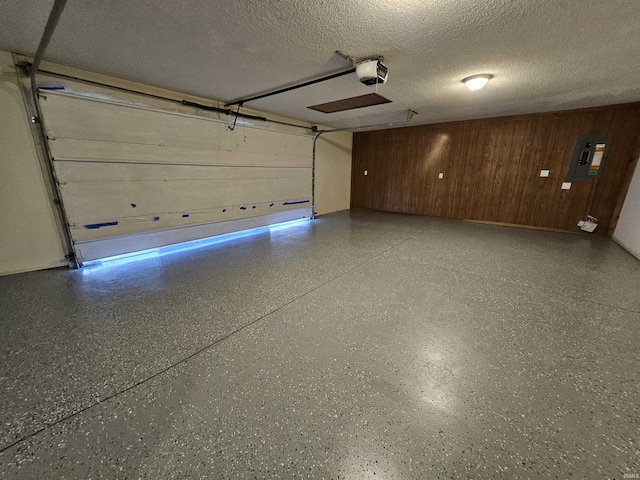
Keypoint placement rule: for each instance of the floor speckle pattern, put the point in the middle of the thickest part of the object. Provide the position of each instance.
(362, 345)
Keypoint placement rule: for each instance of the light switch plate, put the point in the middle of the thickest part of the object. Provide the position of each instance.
(566, 185)
(366, 172)
(441, 175)
(544, 173)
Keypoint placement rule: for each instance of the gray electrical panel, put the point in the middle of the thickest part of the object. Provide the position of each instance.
(589, 155)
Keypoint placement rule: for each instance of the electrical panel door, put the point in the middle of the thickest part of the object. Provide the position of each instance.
(589, 155)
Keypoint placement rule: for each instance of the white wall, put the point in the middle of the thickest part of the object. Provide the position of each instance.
(627, 231)
(333, 172)
(29, 239)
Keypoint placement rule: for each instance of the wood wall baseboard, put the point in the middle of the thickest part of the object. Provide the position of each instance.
(526, 227)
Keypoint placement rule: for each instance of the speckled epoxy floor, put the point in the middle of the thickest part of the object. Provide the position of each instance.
(363, 345)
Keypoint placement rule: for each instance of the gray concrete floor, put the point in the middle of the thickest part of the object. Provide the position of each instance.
(362, 345)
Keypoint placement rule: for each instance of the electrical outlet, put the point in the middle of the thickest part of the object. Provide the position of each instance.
(544, 173)
(366, 172)
(441, 175)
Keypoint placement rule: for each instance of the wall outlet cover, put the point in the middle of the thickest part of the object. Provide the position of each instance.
(544, 173)
(566, 185)
(366, 172)
(441, 175)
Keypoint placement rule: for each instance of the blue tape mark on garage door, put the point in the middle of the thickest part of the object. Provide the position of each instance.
(100, 225)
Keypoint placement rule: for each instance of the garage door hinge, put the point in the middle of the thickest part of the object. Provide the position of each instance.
(35, 120)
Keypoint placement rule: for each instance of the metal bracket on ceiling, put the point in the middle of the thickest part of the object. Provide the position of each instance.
(355, 61)
(346, 57)
(410, 114)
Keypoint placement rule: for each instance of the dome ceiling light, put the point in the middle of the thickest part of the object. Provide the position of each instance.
(476, 82)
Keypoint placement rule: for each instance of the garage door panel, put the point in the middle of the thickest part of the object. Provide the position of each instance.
(105, 247)
(69, 172)
(166, 222)
(87, 119)
(67, 117)
(99, 151)
(96, 202)
(262, 142)
(254, 190)
(91, 202)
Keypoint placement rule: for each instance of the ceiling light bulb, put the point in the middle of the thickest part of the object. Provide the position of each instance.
(476, 82)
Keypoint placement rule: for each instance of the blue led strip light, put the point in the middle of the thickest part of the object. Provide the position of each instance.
(95, 266)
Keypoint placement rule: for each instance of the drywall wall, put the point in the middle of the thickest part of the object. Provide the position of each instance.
(492, 169)
(333, 172)
(29, 238)
(627, 231)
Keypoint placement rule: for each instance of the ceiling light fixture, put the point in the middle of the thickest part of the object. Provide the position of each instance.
(476, 82)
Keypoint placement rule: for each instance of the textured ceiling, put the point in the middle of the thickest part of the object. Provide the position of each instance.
(545, 54)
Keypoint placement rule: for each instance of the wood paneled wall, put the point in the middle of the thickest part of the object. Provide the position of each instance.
(492, 168)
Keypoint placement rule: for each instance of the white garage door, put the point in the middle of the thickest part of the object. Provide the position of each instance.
(134, 176)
